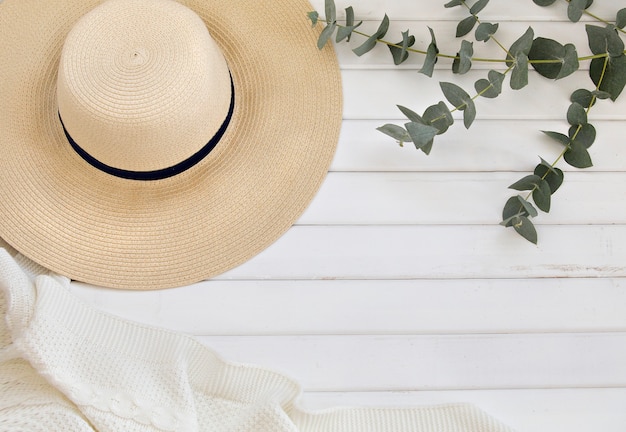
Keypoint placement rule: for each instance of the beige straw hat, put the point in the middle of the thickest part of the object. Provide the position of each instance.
(151, 143)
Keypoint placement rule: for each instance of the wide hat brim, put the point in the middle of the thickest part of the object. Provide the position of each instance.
(68, 216)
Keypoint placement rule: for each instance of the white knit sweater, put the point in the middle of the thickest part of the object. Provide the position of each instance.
(65, 366)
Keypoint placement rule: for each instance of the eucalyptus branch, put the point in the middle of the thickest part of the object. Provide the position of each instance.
(549, 58)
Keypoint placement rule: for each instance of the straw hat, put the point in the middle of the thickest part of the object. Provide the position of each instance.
(151, 143)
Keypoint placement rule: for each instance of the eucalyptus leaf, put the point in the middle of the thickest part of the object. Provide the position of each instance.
(576, 114)
(528, 182)
(325, 35)
(524, 227)
(314, 16)
(438, 116)
(609, 78)
(554, 176)
(422, 135)
(411, 115)
(570, 62)
(453, 3)
(492, 87)
(604, 40)
(485, 30)
(517, 206)
(396, 132)
(583, 134)
(620, 20)
(478, 6)
(465, 26)
(578, 156)
(345, 32)
(559, 137)
(599, 94)
(401, 54)
(564, 59)
(370, 43)
(527, 207)
(431, 56)
(460, 99)
(519, 74)
(575, 9)
(463, 63)
(584, 97)
(349, 16)
(520, 46)
(542, 195)
(331, 11)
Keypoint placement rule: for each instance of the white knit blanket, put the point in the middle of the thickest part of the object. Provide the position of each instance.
(65, 366)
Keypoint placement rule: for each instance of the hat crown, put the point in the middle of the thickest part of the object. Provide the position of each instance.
(142, 86)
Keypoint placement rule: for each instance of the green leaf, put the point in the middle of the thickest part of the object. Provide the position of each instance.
(576, 114)
(465, 26)
(611, 79)
(453, 3)
(620, 20)
(524, 227)
(345, 32)
(492, 87)
(604, 40)
(543, 2)
(529, 182)
(485, 30)
(542, 195)
(401, 54)
(396, 132)
(519, 74)
(326, 34)
(370, 43)
(585, 134)
(517, 206)
(550, 174)
(578, 156)
(431, 56)
(570, 62)
(565, 58)
(601, 94)
(461, 100)
(478, 6)
(349, 16)
(559, 137)
(463, 63)
(411, 115)
(422, 135)
(331, 11)
(314, 17)
(520, 46)
(438, 116)
(584, 97)
(575, 9)
(528, 208)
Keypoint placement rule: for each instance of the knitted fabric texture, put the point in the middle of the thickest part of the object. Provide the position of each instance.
(65, 366)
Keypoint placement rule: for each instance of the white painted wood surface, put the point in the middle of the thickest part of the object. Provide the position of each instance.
(398, 287)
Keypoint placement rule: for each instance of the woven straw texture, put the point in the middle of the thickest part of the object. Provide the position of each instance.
(90, 226)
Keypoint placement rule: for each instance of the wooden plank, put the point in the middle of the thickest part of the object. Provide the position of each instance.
(453, 362)
(453, 198)
(546, 410)
(431, 251)
(503, 145)
(220, 307)
(374, 94)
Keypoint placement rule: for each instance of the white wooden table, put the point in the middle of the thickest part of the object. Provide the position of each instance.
(398, 286)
